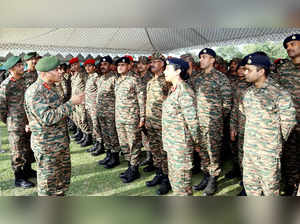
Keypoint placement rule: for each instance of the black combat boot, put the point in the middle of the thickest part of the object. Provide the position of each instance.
(106, 159)
(235, 172)
(29, 172)
(95, 146)
(165, 186)
(113, 162)
(156, 180)
(124, 174)
(79, 136)
(88, 141)
(211, 187)
(20, 180)
(84, 136)
(148, 159)
(132, 175)
(203, 183)
(72, 127)
(150, 167)
(77, 133)
(99, 150)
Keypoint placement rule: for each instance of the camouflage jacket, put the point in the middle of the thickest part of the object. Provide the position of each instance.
(30, 77)
(130, 100)
(46, 114)
(106, 94)
(78, 81)
(237, 118)
(270, 117)
(179, 117)
(12, 104)
(289, 79)
(214, 96)
(91, 90)
(157, 92)
(66, 86)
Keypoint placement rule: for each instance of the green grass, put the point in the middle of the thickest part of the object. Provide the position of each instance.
(88, 178)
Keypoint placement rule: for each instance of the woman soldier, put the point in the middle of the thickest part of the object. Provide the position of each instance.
(180, 128)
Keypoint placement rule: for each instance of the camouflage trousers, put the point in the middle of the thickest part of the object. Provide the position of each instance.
(109, 132)
(54, 169)
(156, 147)
(261, 174)
(80, 118)
(238, 151)
(130, 139)
(145, 141)
(21, 152)
(211, 143)
(291, 159)
(91, 121)
(180, 167)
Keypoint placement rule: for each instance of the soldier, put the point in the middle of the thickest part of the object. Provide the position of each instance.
(145, 75)
(180, 127)
(78, 82)
(191, 71)
(232, 73)
(66, 82)
(289, 79)
(130, 117)
(106, 114)
(12, 113)
(30, 75)
(157, 91)
(47, 120)
(214, 99)
(90, 97)
(270, 117)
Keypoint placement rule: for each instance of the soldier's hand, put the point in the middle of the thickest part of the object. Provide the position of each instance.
(141, 124)
(78, 99)
(233, 135)
(27, 128)
(197, 148)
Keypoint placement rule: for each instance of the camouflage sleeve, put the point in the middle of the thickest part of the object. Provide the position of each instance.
(187, 103)
(3, 105)
(287, 113)
(226, 92)
(50, 116)
(234, 114)
(141, 100)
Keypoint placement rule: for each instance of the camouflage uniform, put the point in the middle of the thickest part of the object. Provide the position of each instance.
(214, 100)
(66, 86)
(105, 118)
(157, 91)
(49, 139)
(238, 119)
(130, 110)
(12, 113)
(79, 116)
(145, 79)
(30, 77)
(180, 132)
(90, 100)
(270, 117)
(289, 79)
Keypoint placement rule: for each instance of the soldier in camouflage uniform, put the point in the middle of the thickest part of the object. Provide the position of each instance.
(145, 75)
(47, 120)
(214, 100)
(90, 97)
(66, 82)
(79, 116)
(106, 113)
(180, 128)
(270, 117)
(232, 73)
(289, 79)
(12, 113)
(30, 75)
(130, 117)
(157, 91)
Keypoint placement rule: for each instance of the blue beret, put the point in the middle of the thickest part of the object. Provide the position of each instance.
(123, 60)
(258, 60)
(208, 51)
(291, 38)
(107, 58)
(184, 66)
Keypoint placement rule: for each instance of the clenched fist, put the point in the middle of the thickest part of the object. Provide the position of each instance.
(78, 99)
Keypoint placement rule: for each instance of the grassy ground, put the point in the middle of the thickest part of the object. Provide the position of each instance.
(88, 178)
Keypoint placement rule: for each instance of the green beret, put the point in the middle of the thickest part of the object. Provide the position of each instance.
(12, 61)
(47, 64)
(29, 56)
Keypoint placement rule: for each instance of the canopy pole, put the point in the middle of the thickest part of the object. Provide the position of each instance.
(146, 30)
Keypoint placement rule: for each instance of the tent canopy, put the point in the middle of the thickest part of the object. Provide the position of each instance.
(95, 41)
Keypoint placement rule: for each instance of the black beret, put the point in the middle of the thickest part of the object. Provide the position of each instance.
(258, 60)
(123, 60)
(184, 66)
(106, 58)
(208, 51)
(291, 38)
